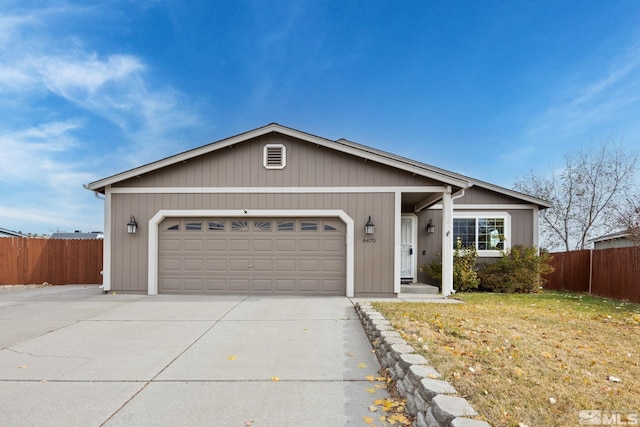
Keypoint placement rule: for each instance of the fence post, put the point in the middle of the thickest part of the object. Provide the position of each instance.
(590, 269)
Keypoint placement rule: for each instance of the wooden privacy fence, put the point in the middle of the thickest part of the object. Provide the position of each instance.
(56, 261)
(611, 273)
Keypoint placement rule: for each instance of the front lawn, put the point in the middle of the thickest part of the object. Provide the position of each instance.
(534, 360)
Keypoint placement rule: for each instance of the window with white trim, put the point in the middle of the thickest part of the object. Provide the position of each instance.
(489, 232)
(275, 156)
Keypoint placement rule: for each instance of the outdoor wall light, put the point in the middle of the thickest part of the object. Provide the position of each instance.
(430, 227)
(132, 225)
(369, 227)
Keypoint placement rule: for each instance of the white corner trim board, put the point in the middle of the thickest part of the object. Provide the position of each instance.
(155, 221)
(106, 252)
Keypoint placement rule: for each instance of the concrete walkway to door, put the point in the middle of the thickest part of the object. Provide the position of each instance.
(71, 355)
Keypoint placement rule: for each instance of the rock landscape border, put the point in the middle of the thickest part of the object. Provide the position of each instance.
(432, 401)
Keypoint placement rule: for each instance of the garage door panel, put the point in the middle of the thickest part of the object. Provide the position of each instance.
(332, 286)
(307, 265)
(171, 284)
(193, 245)
(193, 284)
(239, 285)
(285, 285)
(216, 244)
(309, 285)
(262, 285)
(217, 265)
(168, 245)
(171, 265)
(286, 245)
(262, 265)
(217, 285)
(264, 256)
(285, 265)
(239, 245)
(238, 265)
(193, 265)
(260, 245)
(333, 245)
(332, 266)
(309, 245)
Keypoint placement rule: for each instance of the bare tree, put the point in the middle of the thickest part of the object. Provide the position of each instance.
(629, 218)
(587, 195)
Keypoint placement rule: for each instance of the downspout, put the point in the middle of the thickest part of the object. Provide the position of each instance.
(459, 194)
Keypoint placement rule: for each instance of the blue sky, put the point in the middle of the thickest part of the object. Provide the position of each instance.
(490, 89)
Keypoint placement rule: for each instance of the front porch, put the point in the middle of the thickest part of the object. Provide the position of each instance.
(424, 235)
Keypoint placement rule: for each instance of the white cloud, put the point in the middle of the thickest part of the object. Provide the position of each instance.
(26, 151)
(113, 85)
(44, 180)
(53, 87)
(75, 77)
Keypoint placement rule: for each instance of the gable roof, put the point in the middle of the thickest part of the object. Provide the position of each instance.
(457, 181)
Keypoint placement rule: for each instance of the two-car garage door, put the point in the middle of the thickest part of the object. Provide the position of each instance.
(252, 256)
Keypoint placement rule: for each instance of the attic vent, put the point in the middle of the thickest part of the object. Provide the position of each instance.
(275, 156)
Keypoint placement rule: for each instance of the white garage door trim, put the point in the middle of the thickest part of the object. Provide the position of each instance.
(163, 214)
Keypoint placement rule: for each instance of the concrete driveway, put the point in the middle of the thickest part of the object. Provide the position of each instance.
(74, 356)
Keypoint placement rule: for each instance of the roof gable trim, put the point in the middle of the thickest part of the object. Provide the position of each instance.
(341, 146)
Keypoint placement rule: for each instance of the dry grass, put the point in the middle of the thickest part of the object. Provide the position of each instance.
(534, 360)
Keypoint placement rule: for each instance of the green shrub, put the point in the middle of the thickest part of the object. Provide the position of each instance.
(518, 270)
(464, 274)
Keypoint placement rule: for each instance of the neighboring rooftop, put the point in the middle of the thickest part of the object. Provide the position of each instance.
(8, 233)
(78, 235)
(611, 236)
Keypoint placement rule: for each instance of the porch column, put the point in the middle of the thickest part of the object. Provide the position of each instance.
(447, 243)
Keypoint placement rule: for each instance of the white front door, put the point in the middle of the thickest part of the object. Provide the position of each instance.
(408, 249)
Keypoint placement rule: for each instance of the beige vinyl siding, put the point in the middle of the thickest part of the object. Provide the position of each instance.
(308, 165)
(478, 195)
(373, 269)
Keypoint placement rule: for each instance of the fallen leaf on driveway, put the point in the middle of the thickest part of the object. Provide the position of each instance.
(367, 420)
(275, 378)
(371, 390)
(370, 378)
(362, 365)
(248, 423)
(372, 408)
(232, 357)
(22, 366)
